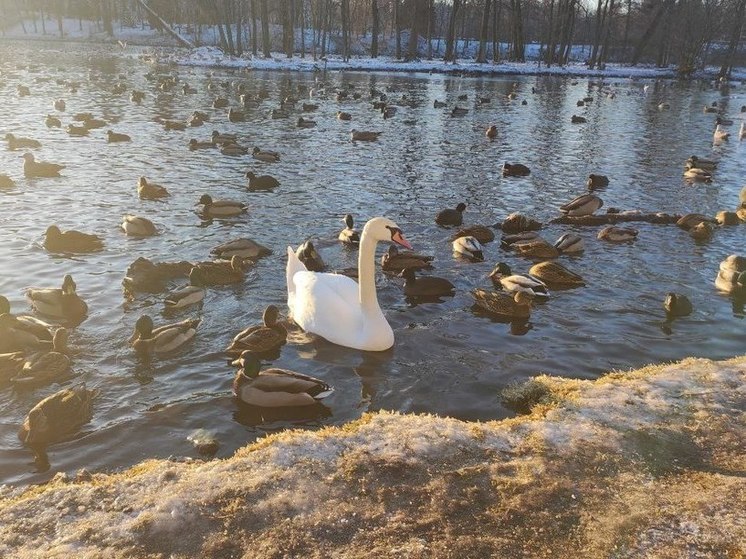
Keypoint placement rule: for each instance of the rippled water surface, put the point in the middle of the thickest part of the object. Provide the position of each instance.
(446, 359)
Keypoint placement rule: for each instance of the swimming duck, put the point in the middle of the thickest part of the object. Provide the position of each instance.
(218, 138)
(597, 181)
(150, 277)
(720, 135)
(265, 155)
(234, 115)
(137, 226)
(150, 191)
(723, 121)
(20, 333)
(479, 232)
(220, 208)
(702, 231)
(205, 274)
(275, 388)
(503, 304)
(94, 123)
(58, 415)
(220, 103)
(59, 303)
(349, 235)
(425, 286)
(451, 216)
(570, 243)
(137, 96)
(243, 247)
(699, 163)
(575, 119)
(34, 169)
(309, 107)
(71, 241)
(77, 130)
(507, 241)
(112, 137)
(261, 182)
(184, 297)
(677, 305)
(439, 104)
(727, 218)
(395, 261)
(491, 132)
(502, 276)
(15, 143)
(59, 105)
(468, 247)
(554, 274)
(515, 170)
(10, 365)
(268, 336)
(45, 367)
(233, 149)
(742, 131)
(52, 122)
(6, 182)
(459, 111)
(535, 248)
(617, 234)
(342, 115)
(364, 135)
(186, 89)
(586, 204)
(711, 109)
(195, 145)
(148, 341)
(305, 123)
(689, 221)
(697, 174)
(310, 257)
(732, 274)
(518, 223)
(173, 125)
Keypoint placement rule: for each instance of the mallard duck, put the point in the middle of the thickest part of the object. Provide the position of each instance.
(689, 221)
(45, 367)
(732, 274)
(234, 115)
(554, 274)
(617, 234)
(468, 247)
(148, 341)
(507, 241)
(586, 204)
(395, 261)
(174, 125)
(451, 216)
(310, 257)
(15, 143)
(10, 365)
(136, 226)
(597, 181)
(77, 130)
(349, 235)
(515, 170)
(479, 232)
(137, 96)
(697, 174)
(263, 338)
(699, 163)
(265, 155)
(309, 107)
(517, 223)
(664, 106)
(425, 286)
(570, 243)
(6, 182)
(243, 247)
(113, 137)
(342, 115)
(711, 109)
(184, 297)
(233, 149)
(723, 121)
(720, 135)
(491, 132)
(575, 119)
(305, 123)
(364, 135)
(94, 123)
(34, 169)
(52, 122)
(59, 303)
(459, 111)
(195, 145)
(218, 138)
(261, 182)
(58, 415)
(220, 208)
(702, 231)
(205, 274)
(677, 305)
(275, 388)
(150, 277)
(502, 276)
(742, 131)
(439, 104)
(503, 304)
(71, 241)
(727, 218)
(28, 330)
(186, 89)
(150, 191)
(59, 105)
(220, 103)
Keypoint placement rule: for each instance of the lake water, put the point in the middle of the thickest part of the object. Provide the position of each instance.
(446, 360)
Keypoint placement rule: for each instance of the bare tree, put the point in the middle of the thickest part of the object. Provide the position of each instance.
(481, 54)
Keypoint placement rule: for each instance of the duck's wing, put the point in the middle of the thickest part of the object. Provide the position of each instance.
(46, 296)
(274, 380)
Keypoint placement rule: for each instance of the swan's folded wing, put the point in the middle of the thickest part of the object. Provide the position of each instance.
(327, 305)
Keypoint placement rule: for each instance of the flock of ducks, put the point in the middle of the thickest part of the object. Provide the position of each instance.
(340, 307)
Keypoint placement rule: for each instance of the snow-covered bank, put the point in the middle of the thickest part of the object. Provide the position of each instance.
(648, 463)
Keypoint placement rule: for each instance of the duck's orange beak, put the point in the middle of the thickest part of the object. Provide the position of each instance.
(399, 239)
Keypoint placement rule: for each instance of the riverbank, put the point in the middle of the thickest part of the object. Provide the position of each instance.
(647, 463)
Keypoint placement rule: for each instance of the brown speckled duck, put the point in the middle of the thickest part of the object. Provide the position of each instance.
(262, 338)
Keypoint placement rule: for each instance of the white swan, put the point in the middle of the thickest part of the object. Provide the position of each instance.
(337, 308)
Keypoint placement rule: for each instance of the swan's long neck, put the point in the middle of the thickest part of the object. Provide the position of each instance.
(366, 265)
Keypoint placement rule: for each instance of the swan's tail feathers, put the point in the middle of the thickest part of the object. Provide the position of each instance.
(294, 266)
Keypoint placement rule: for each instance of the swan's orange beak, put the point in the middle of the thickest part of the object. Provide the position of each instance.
(399, 239)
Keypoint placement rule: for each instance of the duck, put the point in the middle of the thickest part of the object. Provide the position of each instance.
(727, 218)
(77, 130)
(23, 333)
(235, 115)
(342, 115)
(61, 302)
(269, 336)
(507, 241)
(59, 105)
(136, 226)
(137, 96)
(151, 277)
(242, 247)
(6, 181)
(720, 135)
(112, 137)
(677, 305)
(173, 125)
(10, 365)
(336, 307)
(261, 182)
(94, 123)
(349, 235)
(742, 131)
(617, 234)
(502, 276)
(699, 163)
(491, 132)
(479, 232)
(569, 243)
(395, 261)
(149, 341)
(56, 240)
(535, 248)
(58, 416)
(425, 286)
(150, 191)
(575, 119)
(723, 121)
(597, 181)
(518, 223)
(364, 135)
(45, 367)
(731, 276)
(469, 248)
(15, 143)
(233, 149)
(515, 170)
(220, 103)
(585, 204)
(220, 208)
(459, 111)
(309, 107)
(502, 304)
(184, 297)
(697, 174)
(194, 145)
(554, 274)
(439, 104)
(275, 388)
(310, 257)
(701, 232)
(218, 138)
(451, 216)
(205, 274)
(689, 221)
(265, 155)
(52, 122)
(305, 123)
(39, 169)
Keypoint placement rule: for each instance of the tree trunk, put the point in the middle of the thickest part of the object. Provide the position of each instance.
(254, 41)
(650, 31)
(451, 35)
(481, 54)
(736, 30)
(605, 47)
(600, 9)
(397, 27)
(302, 28)
(518, 48)
(239, 25)
(266, 45)
(414, 35)
(430, 17)
(496, 13)
(374, 30)
(345, 13)
(549, 54)
(106, 17)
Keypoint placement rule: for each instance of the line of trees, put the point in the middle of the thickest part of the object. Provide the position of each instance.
(688, 33)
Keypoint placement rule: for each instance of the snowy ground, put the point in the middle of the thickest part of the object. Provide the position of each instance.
(648, 463)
